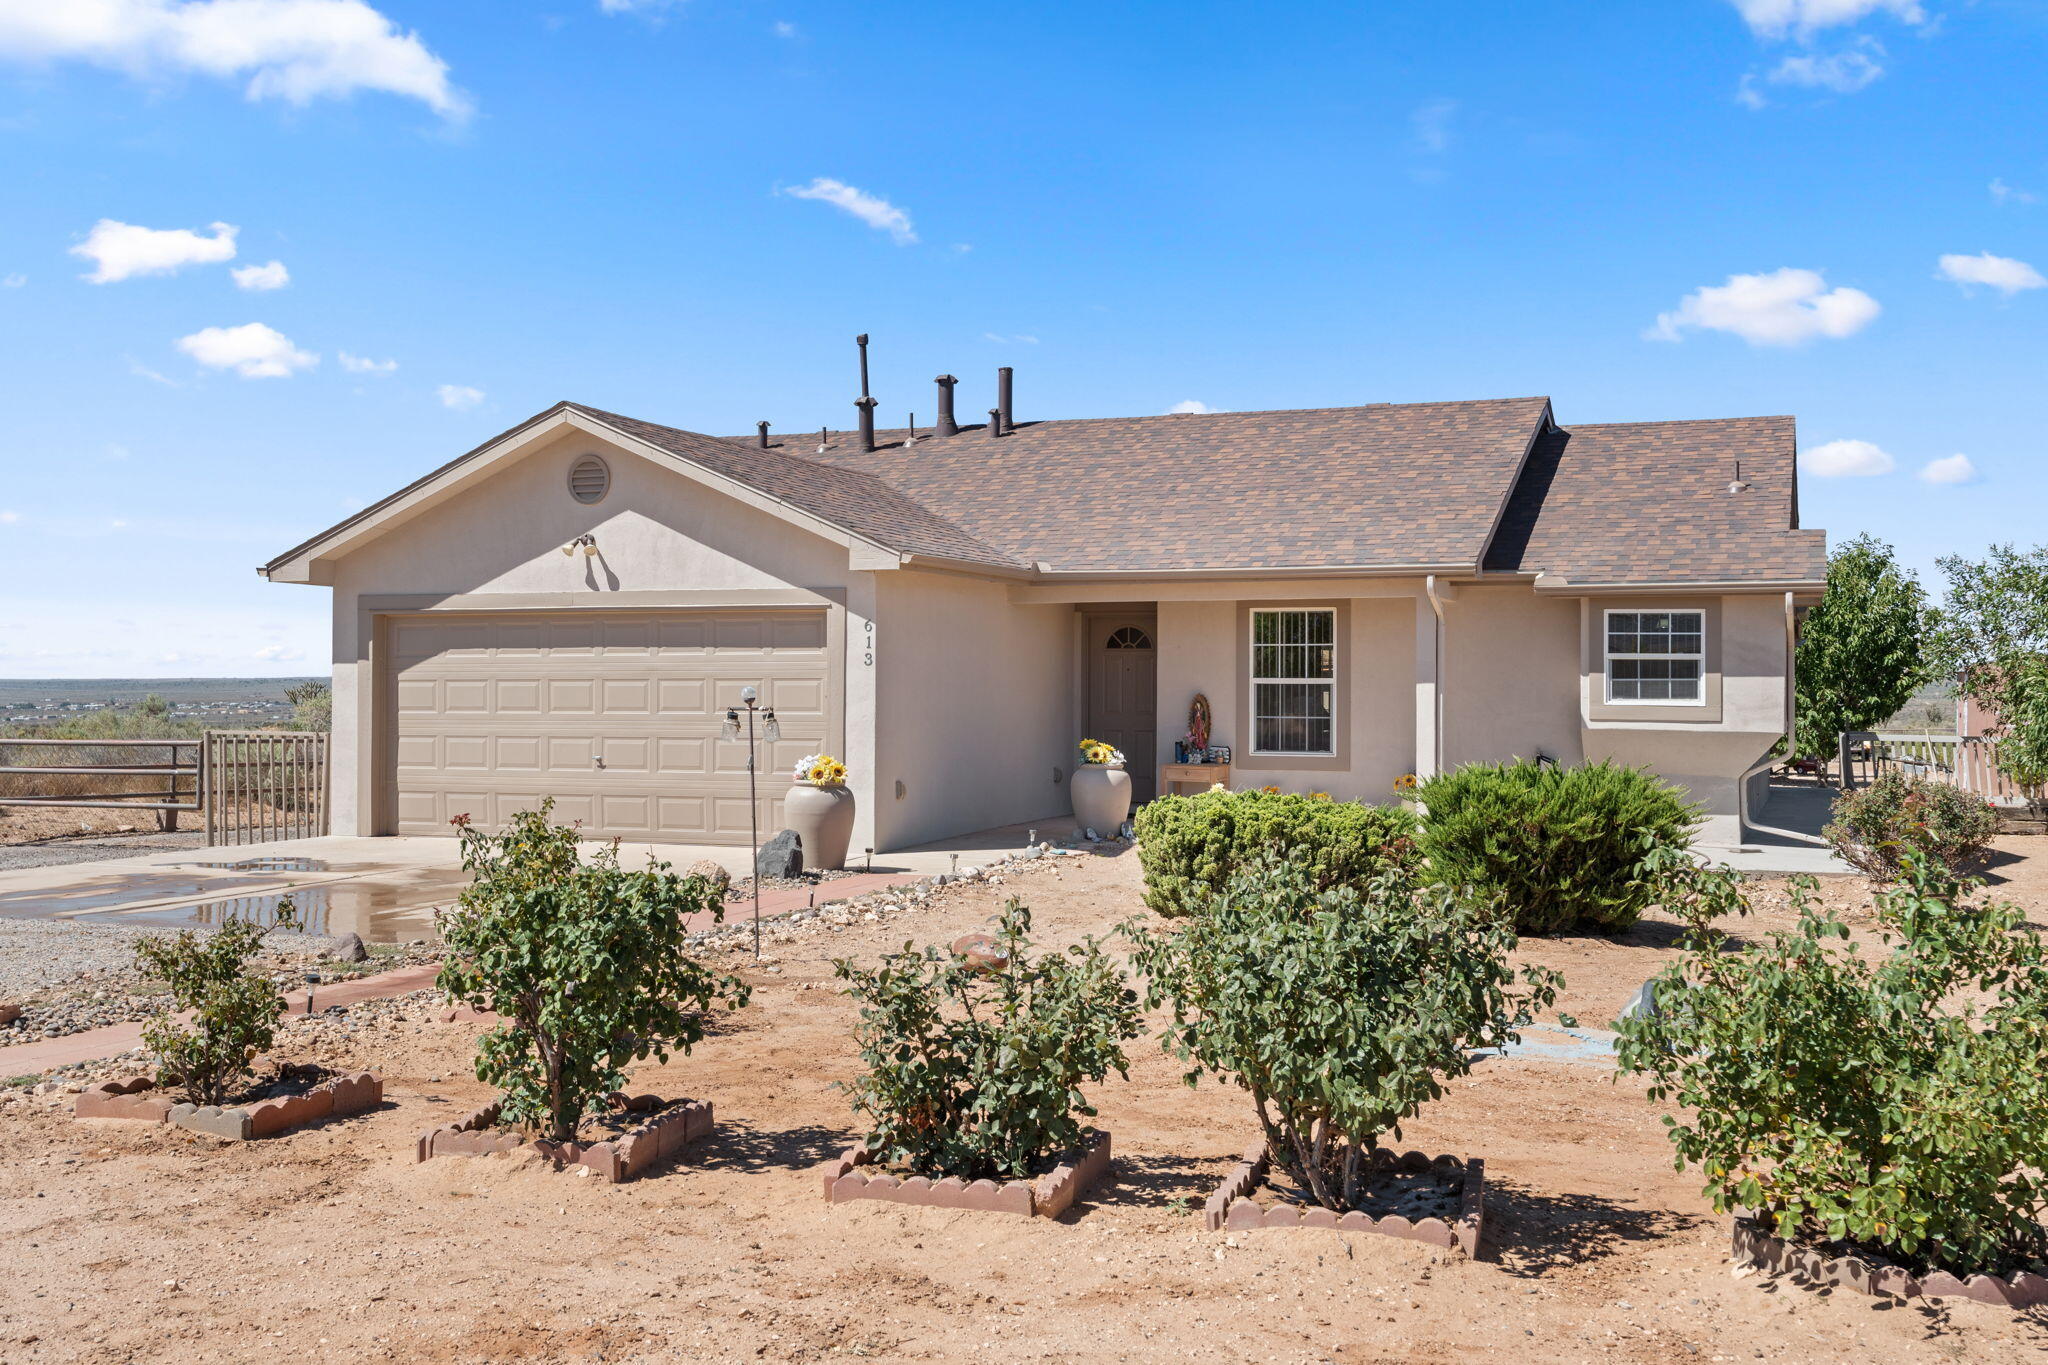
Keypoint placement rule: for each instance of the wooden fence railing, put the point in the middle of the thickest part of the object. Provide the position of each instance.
(1969, 762)
(159, 775)
(264, 785)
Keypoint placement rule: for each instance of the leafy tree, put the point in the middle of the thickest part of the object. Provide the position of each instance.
(1341, 1010)
(234, 1013)
(1189, 845)
(1991, 634)
(1893, 1102)
(589, 965)
(1860, 654)
(976, 1073)
(1555, 847)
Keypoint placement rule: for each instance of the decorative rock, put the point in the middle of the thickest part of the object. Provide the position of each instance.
(983, 953)
(1641, 1005)
(9, 1012)
(711, 871)
(782, 856)
(349, 948)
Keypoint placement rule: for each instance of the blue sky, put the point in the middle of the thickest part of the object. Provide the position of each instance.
(685, 211)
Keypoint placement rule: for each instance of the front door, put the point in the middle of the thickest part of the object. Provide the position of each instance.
(1123, 694)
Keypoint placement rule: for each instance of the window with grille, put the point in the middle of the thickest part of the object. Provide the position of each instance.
(1294, 681)
(1129, 637)
(1656, 658)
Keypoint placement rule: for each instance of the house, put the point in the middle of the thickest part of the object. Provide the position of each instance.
(1360, 592)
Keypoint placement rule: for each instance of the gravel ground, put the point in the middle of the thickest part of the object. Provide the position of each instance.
(93, 849)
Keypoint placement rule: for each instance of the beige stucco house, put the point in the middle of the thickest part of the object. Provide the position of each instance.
(1360, 592)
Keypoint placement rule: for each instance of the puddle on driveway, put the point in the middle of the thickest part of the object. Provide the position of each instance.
(381, 910)
(277, 864)
(111, 893)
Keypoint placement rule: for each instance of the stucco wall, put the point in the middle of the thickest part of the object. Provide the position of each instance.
(657, 533)
(974, 707)
(1511, 676)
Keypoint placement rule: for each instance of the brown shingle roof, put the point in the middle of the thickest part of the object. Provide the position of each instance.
(1394, 485)
(1648, 502)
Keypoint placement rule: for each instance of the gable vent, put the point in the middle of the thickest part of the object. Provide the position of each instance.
(589, 479)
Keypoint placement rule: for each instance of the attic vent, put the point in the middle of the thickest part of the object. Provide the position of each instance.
(589, 479)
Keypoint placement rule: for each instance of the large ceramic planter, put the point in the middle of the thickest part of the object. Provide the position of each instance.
(1102, 797)
(823, 818)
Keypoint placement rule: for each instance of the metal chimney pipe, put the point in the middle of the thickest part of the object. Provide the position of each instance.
(995, 421)
(764, 434)
(867, 422)
(1003, 400)
(862, 342)
(947, 426)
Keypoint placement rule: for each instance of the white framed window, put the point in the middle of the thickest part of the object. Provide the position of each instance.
(1656, 658)
(1294, 680)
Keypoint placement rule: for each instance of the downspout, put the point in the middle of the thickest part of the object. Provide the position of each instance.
(1436, 605)
(1745, 817)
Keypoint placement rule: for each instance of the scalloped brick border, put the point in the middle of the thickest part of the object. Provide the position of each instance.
(1230, 1206)
(626, 1157)
(1756, 1245)
(1045, 1196)
(137, 1098)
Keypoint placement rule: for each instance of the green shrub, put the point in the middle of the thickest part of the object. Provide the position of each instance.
(234, 1013)
(978, 1074)
(1894, 1102)
(1874, 828)
(1556, 847)
(1190, 845)
(589, 965)
(1341, 1010)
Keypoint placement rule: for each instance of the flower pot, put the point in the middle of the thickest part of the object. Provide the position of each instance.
(1102, 797)
(823, 818)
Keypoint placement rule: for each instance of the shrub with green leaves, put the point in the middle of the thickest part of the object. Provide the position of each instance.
(589, 965)
(976, 1073)
(1190, 845)
(1892, 1102)
(1875, 827)
(1341, 1010)
(234, 1012)
(1556, 847)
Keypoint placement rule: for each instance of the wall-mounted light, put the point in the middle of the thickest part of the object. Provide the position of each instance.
(588, 544)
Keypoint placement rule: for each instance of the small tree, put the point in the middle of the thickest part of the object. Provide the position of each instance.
(234, 1013)
(590, 966)
(312, 705)
(1894, 1103)
(1341, 1011)
(1991, 635)
(978, 1074)
(1860, 651)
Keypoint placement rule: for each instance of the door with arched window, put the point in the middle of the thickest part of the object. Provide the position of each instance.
(1123, 688)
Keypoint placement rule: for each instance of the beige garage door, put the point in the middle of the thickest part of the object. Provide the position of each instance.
(615, 714)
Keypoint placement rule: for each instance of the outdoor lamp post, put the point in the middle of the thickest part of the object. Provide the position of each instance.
(771, 730)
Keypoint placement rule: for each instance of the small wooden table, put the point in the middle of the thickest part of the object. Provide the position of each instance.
(1200, 776)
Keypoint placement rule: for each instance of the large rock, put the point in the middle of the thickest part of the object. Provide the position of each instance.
(782, 856)
(348, 948)
(711, 870)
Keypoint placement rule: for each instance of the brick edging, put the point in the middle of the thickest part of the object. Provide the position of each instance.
(1230, 1205)
(1756, 1245)
(1045, 1196)
(626, 1157)
(137, 1097)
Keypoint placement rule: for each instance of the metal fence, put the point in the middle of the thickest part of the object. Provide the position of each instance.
(162, 776)
(263, 785)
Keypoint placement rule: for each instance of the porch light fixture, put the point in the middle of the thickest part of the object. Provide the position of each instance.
(771, 730)
(588, 544)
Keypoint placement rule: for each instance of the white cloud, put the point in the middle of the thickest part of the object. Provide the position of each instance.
(1783, 308)
(121, 250)
(358, 364)
(460, 397)
(635, 6)
(1432, 124)
(261, 277)
(877, 212)
(1747, 95)
(2002, 193)
(1846, 460)
(293, 50)
(1778, 18)
(9, 517)
(1019, 339)
(1948, 469)
(2002, 273)
(252, 350)
(1844, 72)
(1191, 405)
(142, 371)
(279, 654)
(784, 29)
(14, 281)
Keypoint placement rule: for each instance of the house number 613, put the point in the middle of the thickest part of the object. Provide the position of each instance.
(867, 657)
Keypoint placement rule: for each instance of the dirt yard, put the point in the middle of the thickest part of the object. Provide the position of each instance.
(126, 1243)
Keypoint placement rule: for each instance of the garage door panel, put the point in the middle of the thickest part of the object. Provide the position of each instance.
(494, 712)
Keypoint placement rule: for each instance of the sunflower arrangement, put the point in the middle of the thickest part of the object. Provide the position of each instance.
(820, 770)
(1097, 754)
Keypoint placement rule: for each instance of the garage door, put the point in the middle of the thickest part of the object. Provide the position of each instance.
(614, 714)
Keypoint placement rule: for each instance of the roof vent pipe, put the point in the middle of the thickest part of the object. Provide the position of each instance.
(764, 434)
(995, 421)
(947, 426)
(1003, 400)
(865, 402)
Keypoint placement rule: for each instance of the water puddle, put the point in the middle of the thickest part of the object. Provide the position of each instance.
(271, 864)
(111, 893)
(378, 911)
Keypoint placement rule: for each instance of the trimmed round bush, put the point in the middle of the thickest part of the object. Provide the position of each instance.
(1190, 845)
(1558, 848)
(1876, 827)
